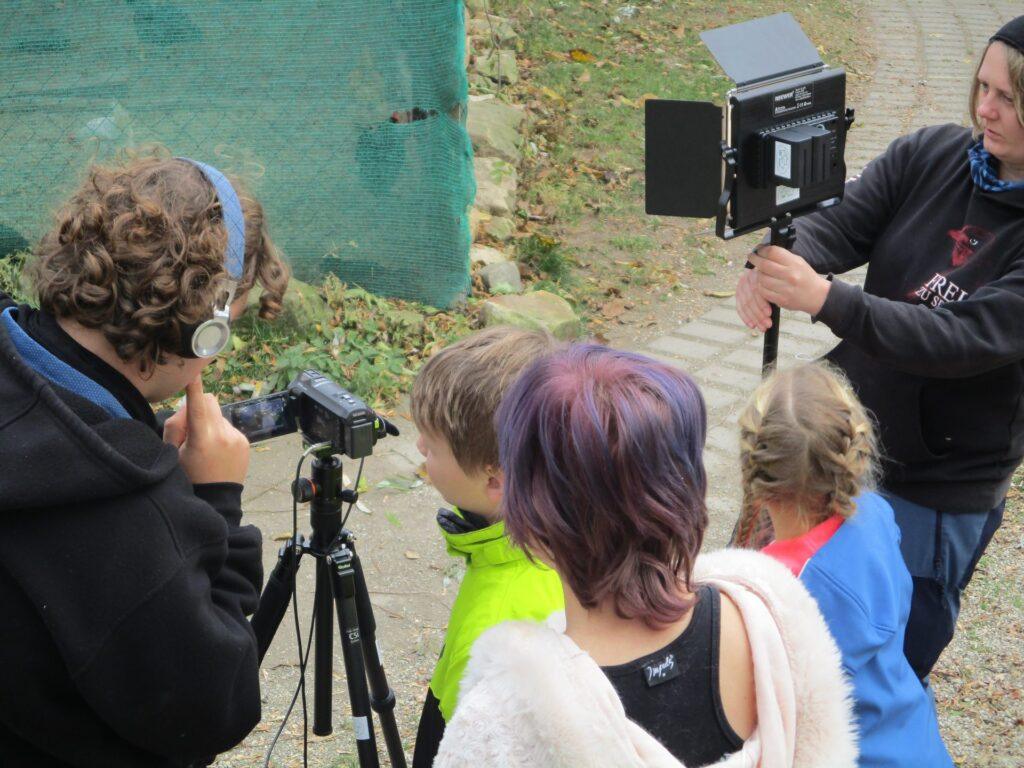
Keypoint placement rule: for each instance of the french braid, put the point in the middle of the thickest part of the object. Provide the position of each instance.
(804, 439)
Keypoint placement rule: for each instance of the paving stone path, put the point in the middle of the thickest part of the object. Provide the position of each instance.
(926, 54)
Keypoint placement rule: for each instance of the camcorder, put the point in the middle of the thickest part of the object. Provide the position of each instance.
(322, 410)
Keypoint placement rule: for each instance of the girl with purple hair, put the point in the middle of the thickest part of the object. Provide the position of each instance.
(601, 452)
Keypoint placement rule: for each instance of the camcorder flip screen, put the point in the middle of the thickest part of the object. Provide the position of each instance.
(262, 418)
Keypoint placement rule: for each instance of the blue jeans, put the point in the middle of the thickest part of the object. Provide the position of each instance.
(941, 550)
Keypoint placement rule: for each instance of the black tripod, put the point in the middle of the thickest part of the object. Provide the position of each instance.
(340, 587)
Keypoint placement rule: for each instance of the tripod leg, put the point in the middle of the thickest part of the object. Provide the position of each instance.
(382, 697)
(343, 582)
(323, 664)
(276, 594)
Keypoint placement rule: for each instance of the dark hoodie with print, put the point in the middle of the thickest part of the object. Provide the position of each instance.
(124, 588)
(934, 343)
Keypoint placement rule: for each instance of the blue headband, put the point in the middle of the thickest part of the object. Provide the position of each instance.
(231, 208)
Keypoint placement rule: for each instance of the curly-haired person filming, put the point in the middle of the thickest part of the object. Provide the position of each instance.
(125, 574)
(934, 343)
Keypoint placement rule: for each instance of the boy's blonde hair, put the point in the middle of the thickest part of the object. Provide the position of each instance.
(806, 440)
(458, 391)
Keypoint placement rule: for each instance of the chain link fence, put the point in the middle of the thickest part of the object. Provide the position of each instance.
(345, 117)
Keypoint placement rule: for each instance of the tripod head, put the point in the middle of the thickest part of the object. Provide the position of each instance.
(325, 493)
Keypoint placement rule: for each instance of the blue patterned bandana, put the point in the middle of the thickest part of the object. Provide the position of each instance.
(983, 171)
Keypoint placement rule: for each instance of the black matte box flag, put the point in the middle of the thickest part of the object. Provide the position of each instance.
(683, 157)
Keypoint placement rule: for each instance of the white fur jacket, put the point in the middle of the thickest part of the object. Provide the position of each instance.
(530, 698)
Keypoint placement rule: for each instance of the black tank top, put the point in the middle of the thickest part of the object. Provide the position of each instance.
(673, 693)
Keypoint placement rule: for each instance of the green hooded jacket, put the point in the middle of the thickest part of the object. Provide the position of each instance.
(500, 584)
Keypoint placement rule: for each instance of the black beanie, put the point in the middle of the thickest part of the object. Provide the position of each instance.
(1012, 34)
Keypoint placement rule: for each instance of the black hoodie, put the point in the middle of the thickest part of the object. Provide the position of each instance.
(934, 343)
(124, 589)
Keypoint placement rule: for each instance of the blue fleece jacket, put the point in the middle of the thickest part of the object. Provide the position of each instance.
(863, 589)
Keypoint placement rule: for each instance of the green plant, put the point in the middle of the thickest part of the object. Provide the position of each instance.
(371, 345)
(546, 256)
(11, 268)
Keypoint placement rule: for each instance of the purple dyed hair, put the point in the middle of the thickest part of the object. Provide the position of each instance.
(601, 451)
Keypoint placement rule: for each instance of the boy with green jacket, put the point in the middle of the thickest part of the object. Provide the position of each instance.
(454, 401)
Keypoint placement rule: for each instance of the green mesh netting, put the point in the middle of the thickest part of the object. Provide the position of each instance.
(346, 118)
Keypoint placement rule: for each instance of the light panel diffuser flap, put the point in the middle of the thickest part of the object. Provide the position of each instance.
(762, 49)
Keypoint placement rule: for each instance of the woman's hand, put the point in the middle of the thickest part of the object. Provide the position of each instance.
(753, 310)
(785, 279)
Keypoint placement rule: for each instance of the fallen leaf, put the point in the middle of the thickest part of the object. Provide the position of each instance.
(363, 508)
(720, 294)
(400, 483)
(552, 94)
(582, 56)
(585, 77)
(680, 30)
(283, 536)
(410, 555)
(614, 308)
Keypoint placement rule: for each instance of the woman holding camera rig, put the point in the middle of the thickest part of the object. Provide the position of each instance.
(934, 343)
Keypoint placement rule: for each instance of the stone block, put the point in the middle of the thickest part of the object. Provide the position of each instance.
(494, 128)
(725, 439)
(683, 348)
(496, 30)
(496, 182)
(498, 65)
(502, 277)
(539, 309)
(725, 315)
(484, 254)
(719, 375)
(477, 222)
(744, 358)
(501, 228)
(711, 333)
(716, 398)
(674, 362)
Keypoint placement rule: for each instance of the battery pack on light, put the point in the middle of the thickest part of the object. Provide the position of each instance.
(801, 155)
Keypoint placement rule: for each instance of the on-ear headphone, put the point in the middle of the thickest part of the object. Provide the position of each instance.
(209, 337)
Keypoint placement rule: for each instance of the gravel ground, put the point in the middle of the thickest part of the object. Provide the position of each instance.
(979, 681)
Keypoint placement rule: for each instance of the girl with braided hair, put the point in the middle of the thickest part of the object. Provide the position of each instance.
(808, 457)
